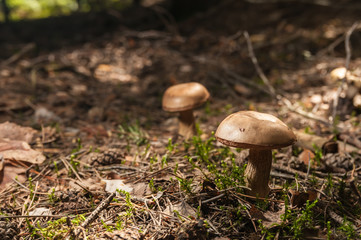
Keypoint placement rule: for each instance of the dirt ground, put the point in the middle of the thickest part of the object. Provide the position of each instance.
(90, 87)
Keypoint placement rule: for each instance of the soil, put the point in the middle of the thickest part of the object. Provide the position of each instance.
(91, 84)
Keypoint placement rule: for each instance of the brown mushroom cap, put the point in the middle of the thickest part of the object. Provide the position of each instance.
(249, 129)
(184, 96)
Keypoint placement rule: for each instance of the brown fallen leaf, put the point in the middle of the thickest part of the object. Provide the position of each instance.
(298, 199)
(16, 154)
(141, 189)
(271, 219)
(305, 156)
(10, 171)
(13, 131)
(183, 208)
(20, 151)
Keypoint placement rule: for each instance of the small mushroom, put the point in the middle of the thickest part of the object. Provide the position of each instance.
(260, 132)
(183, 98)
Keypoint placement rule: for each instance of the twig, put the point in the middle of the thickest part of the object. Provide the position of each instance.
(309, 115)
(114, 167)
(212, 226)
(272, 91)
(258, 198)
(292, 171)
(33, 216)
(94, 214)
(150, 175)
(256, 65)
(281, 175)
(213, 198)
(331, 47)
(69, 166)
(347, 63)
(35, 192)
(351, 139)
(17, 56)
(167, 19)
(353, 185)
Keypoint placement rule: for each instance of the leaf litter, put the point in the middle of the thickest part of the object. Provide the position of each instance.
(102, 122)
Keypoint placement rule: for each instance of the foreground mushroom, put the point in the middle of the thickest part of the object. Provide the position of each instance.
(183, 98)
(260, 132)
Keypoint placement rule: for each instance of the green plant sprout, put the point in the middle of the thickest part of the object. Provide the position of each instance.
(152, 160)
(78, 147)
(151, 186)
(73, 163)
(56, 168)
(51, 196)
(304, 220)
(267, 234)
(185, 184)
(329, 231)
(133, 133)
(347, 230)
(318, 154)
(106, 226)
(31, 187)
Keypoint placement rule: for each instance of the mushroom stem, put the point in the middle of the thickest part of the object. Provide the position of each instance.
(187, 126)
(258, 171)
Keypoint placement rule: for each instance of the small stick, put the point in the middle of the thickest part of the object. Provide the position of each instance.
(95, 213)
(347, 63)
(256, 65)
(66, 163)
(101, 207)
(17, 56)
(290, 106)
(152, 174)
(258, 198)
(309, 166)
(26, 188)
(353, 185)
(213, 198)
(33, 216)
(271, 89)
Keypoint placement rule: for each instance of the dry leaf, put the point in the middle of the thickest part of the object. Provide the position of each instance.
(273, 218)
(20, 151)
(141, 189)
(256, 214)
(307, 155)
(183, 208)
(299, 199)
(11, 170)
(112, 186)
(40, 211)
(13, 131)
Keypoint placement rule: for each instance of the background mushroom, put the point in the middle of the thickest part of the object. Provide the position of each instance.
(183, 98)
(260, 132)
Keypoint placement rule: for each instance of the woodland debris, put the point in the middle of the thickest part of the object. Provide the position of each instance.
(310, 141)
(13, 131)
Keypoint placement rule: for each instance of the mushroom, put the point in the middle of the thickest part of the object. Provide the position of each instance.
(260, 132)
(183, 98)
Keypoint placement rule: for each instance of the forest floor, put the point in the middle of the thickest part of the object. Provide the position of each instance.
(81, 115)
